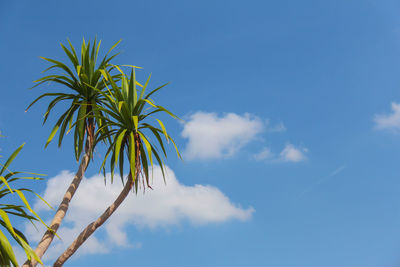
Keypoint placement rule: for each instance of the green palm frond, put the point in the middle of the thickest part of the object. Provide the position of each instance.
(85, 81)
(7, 190)
(129, 112)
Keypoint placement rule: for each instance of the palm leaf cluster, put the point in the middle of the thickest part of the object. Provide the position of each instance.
(84, 79)
(128, 109)
(7, 192)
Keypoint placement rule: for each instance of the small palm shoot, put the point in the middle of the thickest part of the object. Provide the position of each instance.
(7, 192)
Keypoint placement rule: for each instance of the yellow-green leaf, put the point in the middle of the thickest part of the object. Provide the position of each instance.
(135, 122)
(52, 134)
(5, 182)
(6, 247)
(118, 145)
(164, 130)
(132, 156)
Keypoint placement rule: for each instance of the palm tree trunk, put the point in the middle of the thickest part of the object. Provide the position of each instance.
(89, 230)
(64, 205)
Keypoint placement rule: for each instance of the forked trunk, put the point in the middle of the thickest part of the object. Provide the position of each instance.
(64, 205)
(89, 230)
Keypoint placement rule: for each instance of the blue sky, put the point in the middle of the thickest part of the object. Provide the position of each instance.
(300, 99)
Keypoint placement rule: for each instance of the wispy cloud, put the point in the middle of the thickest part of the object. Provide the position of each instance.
(389, 121)
(264, 154)
(277, 128)
(290, 153)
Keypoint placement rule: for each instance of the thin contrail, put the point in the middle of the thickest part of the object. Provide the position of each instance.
(320, 181)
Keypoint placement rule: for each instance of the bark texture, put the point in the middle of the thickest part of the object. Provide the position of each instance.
(89, 230)
(64, 205)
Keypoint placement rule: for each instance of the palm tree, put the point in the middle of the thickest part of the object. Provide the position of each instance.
(84, 83)
(127, 115)
(7, 192)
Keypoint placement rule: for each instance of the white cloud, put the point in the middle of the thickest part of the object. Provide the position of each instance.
(212, 136)
(264, 154)
(292, 154)
(165, 205)
(389, 121)
(289, 154)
